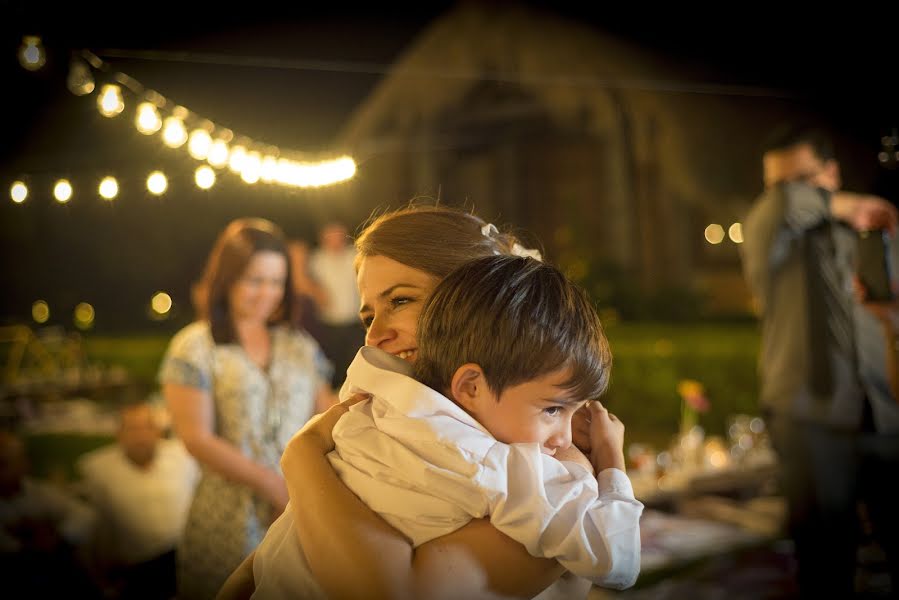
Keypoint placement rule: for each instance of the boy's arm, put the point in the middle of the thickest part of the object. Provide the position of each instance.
(559, 510)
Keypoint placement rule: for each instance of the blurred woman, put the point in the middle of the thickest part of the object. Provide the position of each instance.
(239, 381)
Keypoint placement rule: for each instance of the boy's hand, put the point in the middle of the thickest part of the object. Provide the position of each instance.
(580, 429)
(606, 439)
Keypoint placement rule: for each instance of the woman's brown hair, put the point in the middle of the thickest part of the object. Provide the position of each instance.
(433, 239)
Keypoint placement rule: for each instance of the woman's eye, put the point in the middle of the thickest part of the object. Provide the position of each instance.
(552, 410)
(400, 300)
(366, 321)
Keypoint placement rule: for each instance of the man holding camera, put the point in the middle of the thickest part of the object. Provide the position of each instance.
(825, 389)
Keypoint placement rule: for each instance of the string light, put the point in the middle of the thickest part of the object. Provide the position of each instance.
(62, 191)
(735, 233)
(199, 144)
(40, 311)
(250, 159)
(31, 53)
(204, 177)
(174, 133)
(147, 120)
(157, 183)
(109, 188)
(218, 154)
(18, 191)
(110, 100)
(714, 233)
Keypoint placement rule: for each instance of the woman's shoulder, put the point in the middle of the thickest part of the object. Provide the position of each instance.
(192, 338)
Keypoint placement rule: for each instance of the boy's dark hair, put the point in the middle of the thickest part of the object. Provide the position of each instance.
(519, 319)
(790, 134)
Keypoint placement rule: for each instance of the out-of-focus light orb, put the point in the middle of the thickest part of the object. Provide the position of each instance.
(109, 188)
(110, 100)
(147, 120)
(84, 315)
(236, 158)
(62, 191)
(40, 311)
(218, 154)
(157, 183)
(18, 191)
(199, 143)
(174, 134)
(31, 53)
(252, 167)
(161, 303)
(714, 233)
(204, 177)
(735, 233)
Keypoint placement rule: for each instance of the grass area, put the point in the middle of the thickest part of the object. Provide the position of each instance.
(649, 360)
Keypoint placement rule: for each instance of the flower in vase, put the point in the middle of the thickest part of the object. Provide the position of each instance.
(693, 402)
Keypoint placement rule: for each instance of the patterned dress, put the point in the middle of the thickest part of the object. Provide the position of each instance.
(255, 410)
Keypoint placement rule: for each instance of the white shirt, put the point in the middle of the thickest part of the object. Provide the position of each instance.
(427, 467)
(143, 511)
(336, 272)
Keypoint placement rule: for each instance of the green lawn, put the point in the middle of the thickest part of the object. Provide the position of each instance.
(649, 360)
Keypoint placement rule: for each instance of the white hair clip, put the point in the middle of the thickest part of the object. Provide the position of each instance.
(489, 229)
(519, 250)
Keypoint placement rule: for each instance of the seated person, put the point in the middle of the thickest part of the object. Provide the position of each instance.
(45, 532)
(508, 351)
(141, 487)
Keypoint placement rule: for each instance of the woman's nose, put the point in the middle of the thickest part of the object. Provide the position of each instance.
(379, 332)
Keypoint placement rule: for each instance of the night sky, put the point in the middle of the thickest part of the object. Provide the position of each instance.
(323, 64)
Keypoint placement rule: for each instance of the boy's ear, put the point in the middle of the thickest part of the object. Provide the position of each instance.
(468, 386)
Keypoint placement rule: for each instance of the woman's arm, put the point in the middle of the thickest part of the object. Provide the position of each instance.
(193, 420)
(476, 561)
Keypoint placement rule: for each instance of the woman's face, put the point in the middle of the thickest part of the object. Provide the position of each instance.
(392, 295)
(259, 291)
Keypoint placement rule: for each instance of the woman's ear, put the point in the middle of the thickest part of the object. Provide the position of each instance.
(468, 387)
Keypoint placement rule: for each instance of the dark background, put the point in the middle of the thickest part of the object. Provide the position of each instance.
(321, 64)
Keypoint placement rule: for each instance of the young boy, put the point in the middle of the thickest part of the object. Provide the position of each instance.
(508, 351)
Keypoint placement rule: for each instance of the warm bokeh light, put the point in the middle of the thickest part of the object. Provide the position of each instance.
(110, 100)
(161, 303)
(204, 177)
(315, 174)
(218, 154)
(31, 53)
(157, 183)
(252, 167)
(40, 312)
(109, 188)
(147, 120)
(236, 159)
(199, 143)
(62, 191)
(18, 191)
(174, 134)
(714, 233)
(269, 169)
(84, 315)
(735, 233)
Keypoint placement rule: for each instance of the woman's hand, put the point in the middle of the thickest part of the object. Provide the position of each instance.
(316, 433)
(276, 493)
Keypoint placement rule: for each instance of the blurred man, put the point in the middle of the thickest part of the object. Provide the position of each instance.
(333, 266)
(142, 488)
(834, 421)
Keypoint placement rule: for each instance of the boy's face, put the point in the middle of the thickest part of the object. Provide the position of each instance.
(535, 411)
